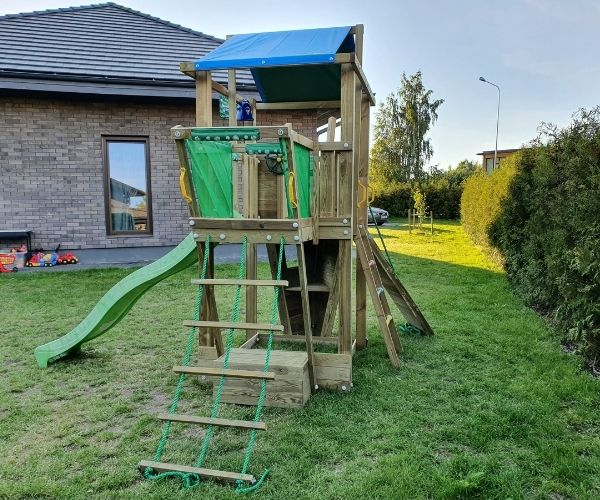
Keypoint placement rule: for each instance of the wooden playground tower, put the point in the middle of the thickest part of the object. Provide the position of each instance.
(321, 223)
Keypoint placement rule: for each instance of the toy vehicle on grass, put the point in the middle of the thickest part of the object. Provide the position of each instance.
(379, 217)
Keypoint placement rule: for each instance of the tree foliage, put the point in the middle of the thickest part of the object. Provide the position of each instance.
(401, 147)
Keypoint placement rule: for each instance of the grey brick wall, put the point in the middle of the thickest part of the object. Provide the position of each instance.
(51, 176)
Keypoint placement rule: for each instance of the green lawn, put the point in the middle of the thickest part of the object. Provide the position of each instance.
(491, 407)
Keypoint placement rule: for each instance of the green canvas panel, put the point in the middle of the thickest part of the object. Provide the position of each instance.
(319, 82)
(212, 177)
(304, 178)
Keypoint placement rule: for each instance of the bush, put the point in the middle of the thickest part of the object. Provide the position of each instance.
(441, 194)
(482, 198)
(548, 229)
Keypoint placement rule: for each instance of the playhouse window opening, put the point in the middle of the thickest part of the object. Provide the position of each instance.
(127, 196)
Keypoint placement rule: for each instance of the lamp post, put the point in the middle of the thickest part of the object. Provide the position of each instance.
(481, 78)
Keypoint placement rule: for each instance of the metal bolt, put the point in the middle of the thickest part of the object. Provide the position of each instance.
(316, 387)
(196, 236)
(343, 388)
(345, 221)
(280, 131)
(269, 237)
(345, 231)
(192, 222)
(222, 236)
(360, 226)
(177, 133)
(295, 225)
(346, 144)
(296, 238)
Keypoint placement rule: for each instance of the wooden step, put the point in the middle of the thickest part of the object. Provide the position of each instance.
(225, 325)
(219, 422)
(312, 287)
(218, 475)
(237, 282)
(217, 372)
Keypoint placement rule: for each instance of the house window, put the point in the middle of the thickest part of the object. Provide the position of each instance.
(489, 165)
(127, 196)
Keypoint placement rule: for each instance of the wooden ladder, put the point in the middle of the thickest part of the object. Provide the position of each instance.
(215, 327)
(375, 286)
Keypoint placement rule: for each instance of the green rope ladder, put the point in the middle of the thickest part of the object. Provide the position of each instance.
(190, 480)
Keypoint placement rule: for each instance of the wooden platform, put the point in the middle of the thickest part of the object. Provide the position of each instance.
(290, 389)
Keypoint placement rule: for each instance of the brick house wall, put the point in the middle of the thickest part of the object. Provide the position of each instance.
(51, 170)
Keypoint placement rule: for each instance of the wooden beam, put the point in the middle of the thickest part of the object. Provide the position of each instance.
(249, 224)
(300, 139)
(236, 282)
(203, 99)
(359, 31)
(302, 274)
(214, 371)
(346, 58)
(225, 325)
(273, 106)
(364, 82)
(346, 208)
(219, 475)
(251, 211)
(334, 146)
(219, 422)
(362, 219)
(231, 95)
(298, 339)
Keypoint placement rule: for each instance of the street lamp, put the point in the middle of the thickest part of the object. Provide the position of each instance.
(482, 79)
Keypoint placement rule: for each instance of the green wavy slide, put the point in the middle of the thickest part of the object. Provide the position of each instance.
(117, 302)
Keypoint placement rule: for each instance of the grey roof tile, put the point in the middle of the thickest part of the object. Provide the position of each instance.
(104, 41)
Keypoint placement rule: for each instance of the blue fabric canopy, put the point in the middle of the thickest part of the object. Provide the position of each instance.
(279, 48)
(286, 65)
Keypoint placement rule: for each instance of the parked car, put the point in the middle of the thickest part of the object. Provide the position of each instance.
(380, 215)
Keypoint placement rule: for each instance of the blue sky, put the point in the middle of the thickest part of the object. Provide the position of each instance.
(542, 53)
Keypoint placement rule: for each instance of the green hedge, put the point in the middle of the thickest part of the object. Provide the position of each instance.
(441, 196)
(545, 222)
(482, 198)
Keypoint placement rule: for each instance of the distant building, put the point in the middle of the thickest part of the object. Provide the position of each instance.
(488, 157)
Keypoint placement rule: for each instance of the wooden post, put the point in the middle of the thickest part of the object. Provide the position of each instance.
(346, 204)
(431, 218)
(362, 218)
(204, 119)
(302, 276)
(203, 99)
(409, 226)
(251, 211)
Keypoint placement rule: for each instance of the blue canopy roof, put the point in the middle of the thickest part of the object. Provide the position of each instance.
(279, 48)
(287, 65)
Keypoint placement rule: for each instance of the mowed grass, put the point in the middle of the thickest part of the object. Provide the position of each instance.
(490, 407)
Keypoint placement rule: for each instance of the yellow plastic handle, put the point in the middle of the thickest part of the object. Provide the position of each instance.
(363, 198)
(372, 198)
(291, 191)
(183, 186)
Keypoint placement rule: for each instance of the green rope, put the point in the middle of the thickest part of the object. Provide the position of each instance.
(263, 387)
(381, 238)
(189, 480)
(228, 346)
(411, 329)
